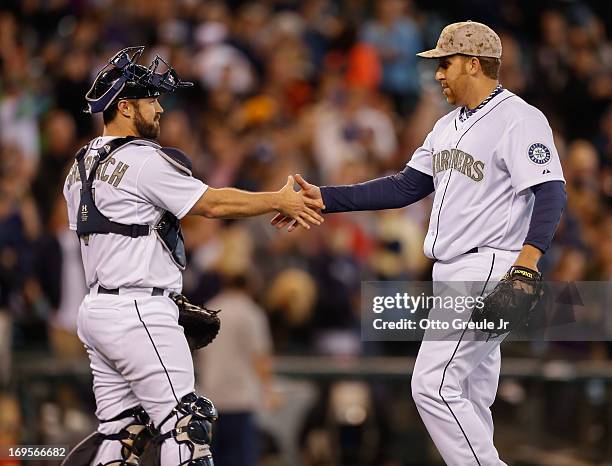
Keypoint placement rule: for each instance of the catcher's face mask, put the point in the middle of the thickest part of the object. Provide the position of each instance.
(123, 78)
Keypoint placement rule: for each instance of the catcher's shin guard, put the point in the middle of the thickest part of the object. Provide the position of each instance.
(133, 437)
(195, 415)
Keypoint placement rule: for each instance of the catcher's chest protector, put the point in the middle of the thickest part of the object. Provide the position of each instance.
(91, 220)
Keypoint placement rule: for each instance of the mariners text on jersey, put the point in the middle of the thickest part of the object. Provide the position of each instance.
(460, 161)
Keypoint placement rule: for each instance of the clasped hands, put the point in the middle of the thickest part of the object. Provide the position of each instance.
(299, 208)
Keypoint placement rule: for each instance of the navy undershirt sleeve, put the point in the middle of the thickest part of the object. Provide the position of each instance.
(388, 192)
(550, 200)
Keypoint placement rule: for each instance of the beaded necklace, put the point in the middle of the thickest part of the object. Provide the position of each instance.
(465, 113)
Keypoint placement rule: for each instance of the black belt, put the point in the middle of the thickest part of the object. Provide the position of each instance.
(472, 251)
(115, 291)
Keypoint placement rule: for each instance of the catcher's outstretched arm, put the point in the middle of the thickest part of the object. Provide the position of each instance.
(235, 203)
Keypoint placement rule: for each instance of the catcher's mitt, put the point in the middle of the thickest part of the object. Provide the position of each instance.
(201, 324)
(511, 301)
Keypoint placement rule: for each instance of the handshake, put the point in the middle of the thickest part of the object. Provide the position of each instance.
(299, 208)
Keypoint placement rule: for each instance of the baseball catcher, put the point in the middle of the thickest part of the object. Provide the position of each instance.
(126, 195)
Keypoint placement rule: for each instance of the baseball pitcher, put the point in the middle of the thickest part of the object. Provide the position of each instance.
(499, 193)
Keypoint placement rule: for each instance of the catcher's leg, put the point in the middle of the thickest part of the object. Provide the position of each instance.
(160, 372)
(140, 357)
(126, 444)
(188, 424)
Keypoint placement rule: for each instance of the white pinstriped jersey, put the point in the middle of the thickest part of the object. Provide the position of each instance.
(482, 169)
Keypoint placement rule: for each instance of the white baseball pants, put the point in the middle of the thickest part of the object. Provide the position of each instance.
(455, 377)
(138, 356)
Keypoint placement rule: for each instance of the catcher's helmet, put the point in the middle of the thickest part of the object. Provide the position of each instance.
(125, 79)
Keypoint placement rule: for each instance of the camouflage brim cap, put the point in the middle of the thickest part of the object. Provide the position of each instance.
(467, 38)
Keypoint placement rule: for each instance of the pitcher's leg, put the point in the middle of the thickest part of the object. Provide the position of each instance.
(450, 418)
(481, 387)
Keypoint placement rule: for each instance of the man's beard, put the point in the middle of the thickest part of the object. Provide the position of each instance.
(145, 129)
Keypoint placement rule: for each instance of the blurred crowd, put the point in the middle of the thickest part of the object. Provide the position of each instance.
(330, 89)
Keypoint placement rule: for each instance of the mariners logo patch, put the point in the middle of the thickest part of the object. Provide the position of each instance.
(539, 153)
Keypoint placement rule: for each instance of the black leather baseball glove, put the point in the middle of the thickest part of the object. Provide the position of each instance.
(511, 301)
(201, 324)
